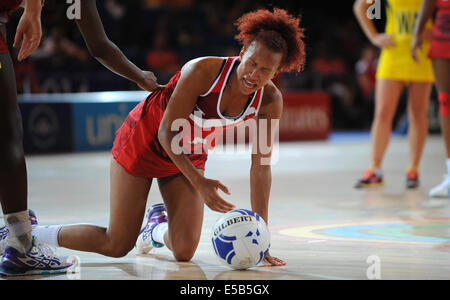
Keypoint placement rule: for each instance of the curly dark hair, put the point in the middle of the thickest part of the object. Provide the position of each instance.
(279, 31)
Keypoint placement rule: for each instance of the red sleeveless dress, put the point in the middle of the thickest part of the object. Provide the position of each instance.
(440, 39)
(137, 149)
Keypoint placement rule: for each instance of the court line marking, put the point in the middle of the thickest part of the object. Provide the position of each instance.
(348, 232)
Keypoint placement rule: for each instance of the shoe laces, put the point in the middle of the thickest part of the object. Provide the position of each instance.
(3, 237)
(45, 249)
(160, 217)
(2, 247)
(3, 233)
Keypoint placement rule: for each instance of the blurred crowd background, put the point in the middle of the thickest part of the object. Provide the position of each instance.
(161, 35)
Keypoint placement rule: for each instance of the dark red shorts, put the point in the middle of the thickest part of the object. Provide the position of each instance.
(440, 41)
(136, 147)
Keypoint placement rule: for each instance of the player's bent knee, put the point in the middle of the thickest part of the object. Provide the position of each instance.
(118, 253)
(183, 253)
(118, 250)
(184, 256)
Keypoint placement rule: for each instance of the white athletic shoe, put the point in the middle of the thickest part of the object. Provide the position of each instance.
(4, 231)
(442, 190)
(3, 237)
(39, 260)
(156, 215)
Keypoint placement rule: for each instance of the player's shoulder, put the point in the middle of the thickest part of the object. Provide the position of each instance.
(272, 102)
(199, 74)
(208, 66)
(272, 93)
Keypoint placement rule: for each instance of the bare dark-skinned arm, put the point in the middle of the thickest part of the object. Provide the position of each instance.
(426, 11)
(106, 52)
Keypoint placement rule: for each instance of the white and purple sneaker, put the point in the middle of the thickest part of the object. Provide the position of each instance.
(157, 214)
(33, 218)
(4, 231)
(40, 260)
(3, 236)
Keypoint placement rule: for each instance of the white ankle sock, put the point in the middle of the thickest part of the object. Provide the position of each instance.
(159, 231)
(19, 235)
(47, 234)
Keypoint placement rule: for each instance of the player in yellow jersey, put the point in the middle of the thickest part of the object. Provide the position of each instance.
(397, 70)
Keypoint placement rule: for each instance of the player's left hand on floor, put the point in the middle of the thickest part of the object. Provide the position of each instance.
(271, 261)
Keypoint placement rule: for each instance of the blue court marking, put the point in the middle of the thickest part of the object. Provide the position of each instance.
(354, 232)
(352, 136)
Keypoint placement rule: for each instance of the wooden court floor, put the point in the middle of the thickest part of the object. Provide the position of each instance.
(320, 225)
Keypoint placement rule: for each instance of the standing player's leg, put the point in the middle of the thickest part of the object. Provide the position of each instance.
(387, 95)
(21, 254)
(13, 172)
(386, 101)
(127, 208)
(442, 73)
(441, 69)
(418, 103)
